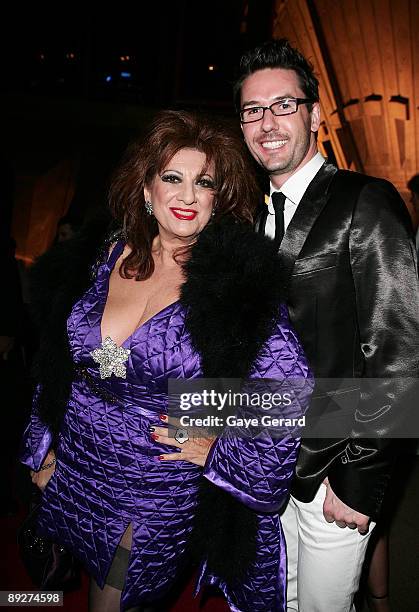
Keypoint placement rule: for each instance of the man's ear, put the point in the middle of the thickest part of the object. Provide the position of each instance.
(315, 117)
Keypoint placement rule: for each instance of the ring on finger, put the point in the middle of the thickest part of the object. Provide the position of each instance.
(181, 436)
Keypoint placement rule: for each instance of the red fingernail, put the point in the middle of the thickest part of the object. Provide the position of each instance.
(155, 436)
(163, 417)
(161, 458)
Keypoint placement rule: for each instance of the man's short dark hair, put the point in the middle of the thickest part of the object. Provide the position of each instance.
(277, 54)
(413, 184)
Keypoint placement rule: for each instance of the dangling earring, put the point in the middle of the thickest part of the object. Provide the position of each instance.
(213, 212)
(149, 207)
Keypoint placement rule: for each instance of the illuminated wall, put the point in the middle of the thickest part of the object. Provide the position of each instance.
(40, 202)
(366, 54)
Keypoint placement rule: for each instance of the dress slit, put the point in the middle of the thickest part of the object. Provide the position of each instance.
(119, 567)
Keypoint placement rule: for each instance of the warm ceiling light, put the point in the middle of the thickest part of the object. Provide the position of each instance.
(211, 68)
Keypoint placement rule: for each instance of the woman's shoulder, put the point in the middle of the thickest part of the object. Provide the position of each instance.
(65, 271)
(108, 251)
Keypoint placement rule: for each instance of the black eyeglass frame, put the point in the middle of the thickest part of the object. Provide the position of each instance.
(265, 108)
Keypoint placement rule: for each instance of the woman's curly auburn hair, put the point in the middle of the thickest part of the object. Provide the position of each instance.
(236, 191)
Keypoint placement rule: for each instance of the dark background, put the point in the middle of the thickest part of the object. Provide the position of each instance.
(77, 83)
(66, 50)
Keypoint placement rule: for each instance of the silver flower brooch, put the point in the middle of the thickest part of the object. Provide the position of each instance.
(111, 359)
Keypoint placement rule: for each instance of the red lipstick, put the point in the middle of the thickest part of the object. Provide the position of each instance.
(185, 214)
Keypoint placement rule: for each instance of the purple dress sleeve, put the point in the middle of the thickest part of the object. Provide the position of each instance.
(258, 469)
(36, 441)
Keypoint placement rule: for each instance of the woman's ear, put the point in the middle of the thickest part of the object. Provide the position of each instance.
(147, 194)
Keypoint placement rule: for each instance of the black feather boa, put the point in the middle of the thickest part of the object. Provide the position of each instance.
(232, 294)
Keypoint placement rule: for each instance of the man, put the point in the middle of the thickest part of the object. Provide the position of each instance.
(348, 274)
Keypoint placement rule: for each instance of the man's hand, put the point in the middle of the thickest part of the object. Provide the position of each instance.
(334, 510)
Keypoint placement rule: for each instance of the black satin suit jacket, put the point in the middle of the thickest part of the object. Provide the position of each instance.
(350, 278)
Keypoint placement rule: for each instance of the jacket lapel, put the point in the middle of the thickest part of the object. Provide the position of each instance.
(261, 216)
(308, 210)
(261, 220)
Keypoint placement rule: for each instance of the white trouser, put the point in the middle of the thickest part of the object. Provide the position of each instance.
(324, 560)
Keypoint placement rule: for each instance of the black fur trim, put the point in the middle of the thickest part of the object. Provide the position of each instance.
(232, 294)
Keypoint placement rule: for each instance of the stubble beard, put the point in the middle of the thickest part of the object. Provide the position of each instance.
(291, 163)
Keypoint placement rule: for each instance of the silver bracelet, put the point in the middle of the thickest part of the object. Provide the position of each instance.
(47, 465)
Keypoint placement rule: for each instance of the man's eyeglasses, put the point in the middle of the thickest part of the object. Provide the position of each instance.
(285, 106)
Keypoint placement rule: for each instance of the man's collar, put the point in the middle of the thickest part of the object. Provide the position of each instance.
(295, 187)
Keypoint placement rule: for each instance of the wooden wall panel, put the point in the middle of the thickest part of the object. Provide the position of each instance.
(369, 74)
(368, 26)
(293, 21)
(414, 19)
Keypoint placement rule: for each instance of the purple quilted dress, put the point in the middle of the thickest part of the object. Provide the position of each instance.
(108, 474)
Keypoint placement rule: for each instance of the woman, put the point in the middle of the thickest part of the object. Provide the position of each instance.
(187, 291)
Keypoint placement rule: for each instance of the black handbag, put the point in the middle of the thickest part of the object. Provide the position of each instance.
(49, 565)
